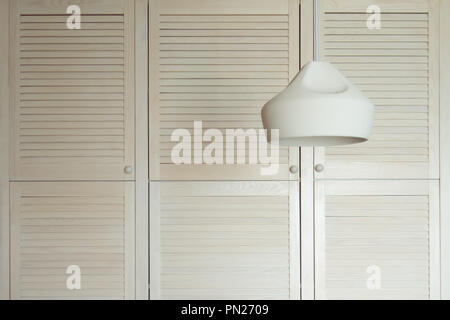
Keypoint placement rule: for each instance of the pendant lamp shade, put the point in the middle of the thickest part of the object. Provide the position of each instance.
(320, 107)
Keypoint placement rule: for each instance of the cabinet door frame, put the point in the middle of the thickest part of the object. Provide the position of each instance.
(4, 147)
(439, 166)
(289, 189)
(307, 166)
(57, 168)
(139, 23)
(170, 171)
(391, 169)
(428, 188)
(445, 147)
(215, 173)
(123, 189)
(141, 150)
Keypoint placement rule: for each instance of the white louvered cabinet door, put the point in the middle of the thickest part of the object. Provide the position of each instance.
(397, 67)
(233, 236)
(224, 240)
(72, 91)
(218, 62)
(377, 239)
(55, 225)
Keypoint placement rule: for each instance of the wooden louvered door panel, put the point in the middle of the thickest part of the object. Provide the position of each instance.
(376, 208)
(224, 240)
(387, 229)
(219, 63)
(72, 114)
(58, 224)
(397, 67)
(72, 119)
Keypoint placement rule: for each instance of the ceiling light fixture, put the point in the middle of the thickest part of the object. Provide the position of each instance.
(320, 107)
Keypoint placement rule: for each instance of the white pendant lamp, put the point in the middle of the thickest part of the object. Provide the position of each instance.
(320, 107)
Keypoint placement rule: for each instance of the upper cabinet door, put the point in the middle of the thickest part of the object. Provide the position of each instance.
(72, 112)
(216, 63)
(397, 67)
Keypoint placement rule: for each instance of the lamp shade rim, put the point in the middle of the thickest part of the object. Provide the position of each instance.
(325, 141)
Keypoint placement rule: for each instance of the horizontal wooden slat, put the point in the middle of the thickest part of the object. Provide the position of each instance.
(71, 33)
(103, 103)
(387, 16)
(224, 82)
(387, 23)
(376, 37)
(224, 40)
(70, 96)
(63, 26)
(222, 68)
(71, 139)
(374, 52)
(28, 41)
(180, 18)
(223, 75)
(71, 68)
(99, 7)
(71, 61)
(222, 25)
(72, 54)
(39, 82)
(62, 18)
(383, 31)
(223, 46)
(224, 60)
(281, 32)
(109, 77)
(220, 57)
(103, 111)
(224, 89)
(71, 89)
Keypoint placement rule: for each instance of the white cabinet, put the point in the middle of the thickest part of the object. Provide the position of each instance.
(55, 225)
(377, 239)
(72, 119)
(376, 204)
(222, 230)
(218, 63)
(397, 67)
(224, 240)
(72, 101)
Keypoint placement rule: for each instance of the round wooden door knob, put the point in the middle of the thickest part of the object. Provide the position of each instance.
(319, 167)
(128, 170)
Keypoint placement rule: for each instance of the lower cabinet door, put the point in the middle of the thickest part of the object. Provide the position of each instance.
(377, 239)
(224, 240)
(72, 240)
